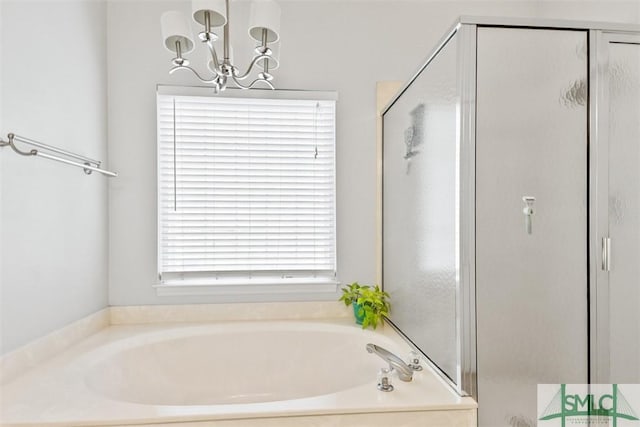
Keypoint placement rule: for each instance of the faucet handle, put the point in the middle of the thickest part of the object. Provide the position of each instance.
(384, 379)
(405, 373)
(414, 361)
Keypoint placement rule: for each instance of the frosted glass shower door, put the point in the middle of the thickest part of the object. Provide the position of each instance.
(531, 282)
(419, 214)
(619, 292)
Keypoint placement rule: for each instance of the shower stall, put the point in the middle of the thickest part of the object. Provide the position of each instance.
(511, 209)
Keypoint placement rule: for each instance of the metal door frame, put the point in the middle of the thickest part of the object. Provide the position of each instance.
(466, 174)
(599, 255)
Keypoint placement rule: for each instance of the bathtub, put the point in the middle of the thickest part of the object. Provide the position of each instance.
(229, 373)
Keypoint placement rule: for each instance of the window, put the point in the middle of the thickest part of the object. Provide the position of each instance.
(246, 188)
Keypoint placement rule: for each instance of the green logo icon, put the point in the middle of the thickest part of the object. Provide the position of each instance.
(589, 405)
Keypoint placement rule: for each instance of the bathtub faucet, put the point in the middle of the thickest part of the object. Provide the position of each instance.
(405, 373)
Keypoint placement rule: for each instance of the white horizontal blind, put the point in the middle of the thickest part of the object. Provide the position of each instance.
(246, 187)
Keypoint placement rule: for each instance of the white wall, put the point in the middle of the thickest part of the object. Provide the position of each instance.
(53, 223)
(326, 45)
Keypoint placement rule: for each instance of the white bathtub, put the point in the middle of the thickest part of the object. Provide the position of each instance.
(312, 373)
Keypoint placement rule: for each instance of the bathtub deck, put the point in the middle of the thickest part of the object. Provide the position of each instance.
(56, 393)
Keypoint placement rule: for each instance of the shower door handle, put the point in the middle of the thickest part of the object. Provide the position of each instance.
(606, 253)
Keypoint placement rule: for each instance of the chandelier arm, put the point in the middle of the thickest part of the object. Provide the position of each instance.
(214, 54)
(251, 65)
(240, 85)
(267, 82)
(252, 84)
(213, 80)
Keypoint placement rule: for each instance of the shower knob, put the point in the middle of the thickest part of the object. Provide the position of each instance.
(528, 212)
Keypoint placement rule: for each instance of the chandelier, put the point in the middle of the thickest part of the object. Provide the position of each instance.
(264, 27)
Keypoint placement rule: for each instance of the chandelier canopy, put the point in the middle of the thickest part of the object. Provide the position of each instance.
(264, 28)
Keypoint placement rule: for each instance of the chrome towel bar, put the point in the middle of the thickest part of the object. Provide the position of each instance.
(87, 164)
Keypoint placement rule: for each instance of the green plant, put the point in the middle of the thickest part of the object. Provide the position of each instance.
(370, 303)
(351, 293)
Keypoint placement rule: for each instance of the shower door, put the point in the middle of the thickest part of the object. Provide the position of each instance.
(531, 269)
(419, 244)
(512, 199)
(617, 266)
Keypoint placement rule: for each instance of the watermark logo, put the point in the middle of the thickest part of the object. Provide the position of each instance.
(589, 405)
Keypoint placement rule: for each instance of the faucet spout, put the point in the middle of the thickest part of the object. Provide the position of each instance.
(405, 373)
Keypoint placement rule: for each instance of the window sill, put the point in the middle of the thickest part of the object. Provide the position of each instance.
(247, 287)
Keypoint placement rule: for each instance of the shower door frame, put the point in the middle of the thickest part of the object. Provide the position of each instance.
(599, 313)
